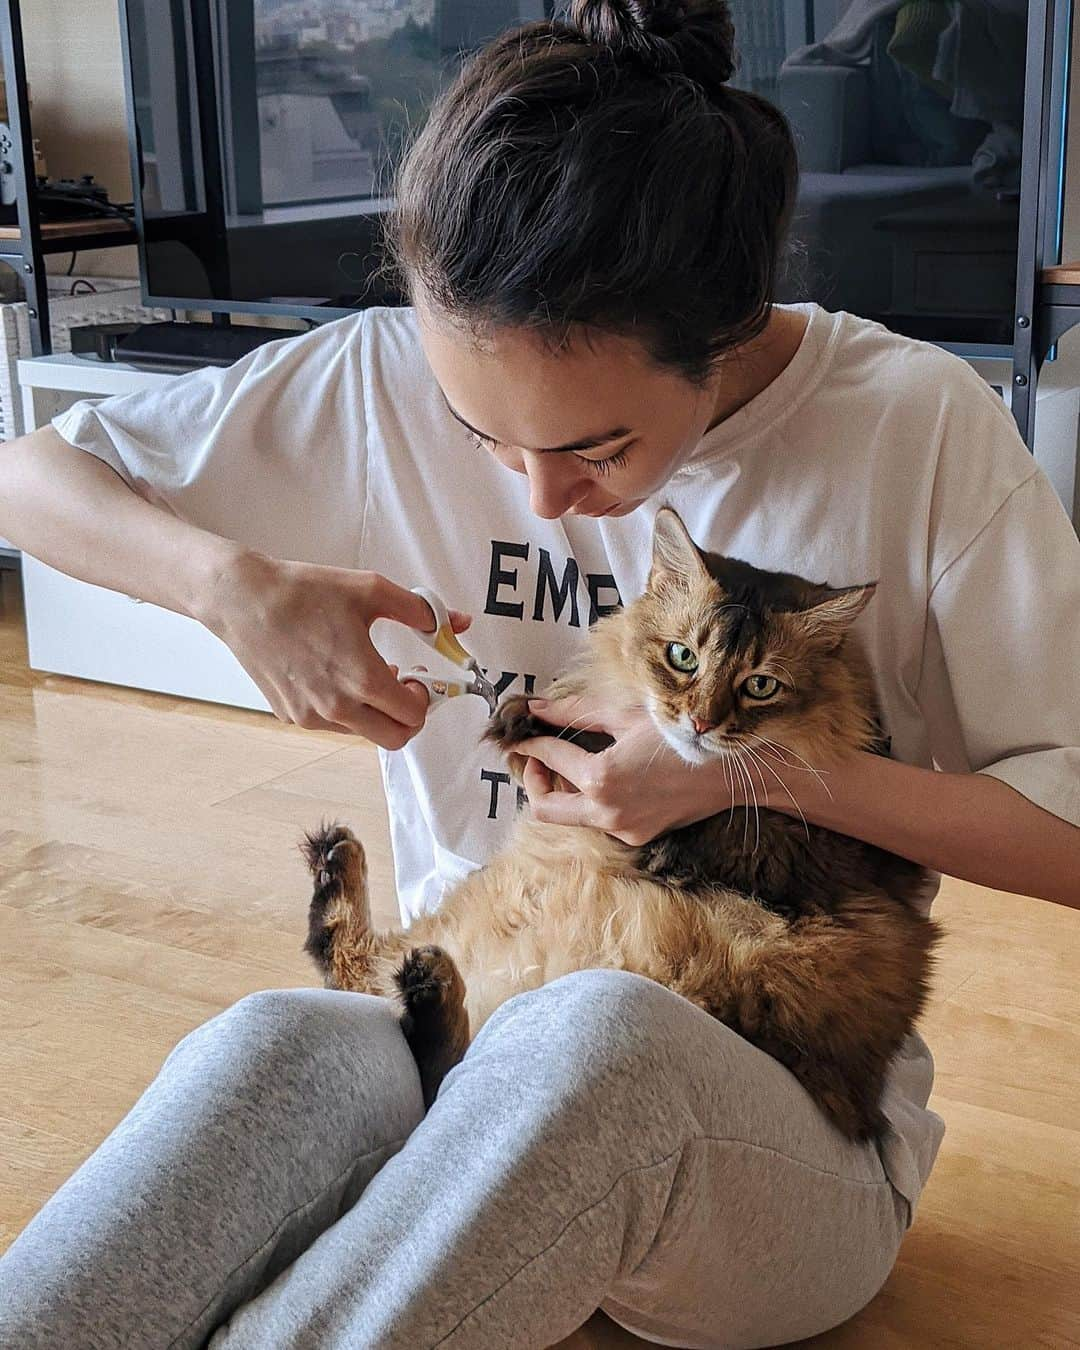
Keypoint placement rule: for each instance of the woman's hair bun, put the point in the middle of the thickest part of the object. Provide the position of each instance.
(663, 34)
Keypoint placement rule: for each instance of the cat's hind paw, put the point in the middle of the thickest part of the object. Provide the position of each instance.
(336, 859)
(434, 1019)
(428, 978)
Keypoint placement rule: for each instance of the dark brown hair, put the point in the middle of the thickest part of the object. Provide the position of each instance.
(602, 172)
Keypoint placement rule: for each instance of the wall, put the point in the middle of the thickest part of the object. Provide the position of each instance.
(74, 68)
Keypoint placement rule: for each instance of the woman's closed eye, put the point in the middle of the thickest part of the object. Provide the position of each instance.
(601, 466)
(605, 466)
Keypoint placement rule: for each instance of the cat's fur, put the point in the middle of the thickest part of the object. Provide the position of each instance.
(808, 943)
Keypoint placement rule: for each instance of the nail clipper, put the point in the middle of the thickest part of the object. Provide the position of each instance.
(444, 640)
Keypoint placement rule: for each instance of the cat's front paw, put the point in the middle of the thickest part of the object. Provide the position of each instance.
(512, 722)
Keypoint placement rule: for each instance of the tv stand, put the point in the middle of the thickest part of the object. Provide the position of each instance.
(185, 346)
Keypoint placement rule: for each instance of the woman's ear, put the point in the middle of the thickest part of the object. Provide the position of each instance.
(674, 553)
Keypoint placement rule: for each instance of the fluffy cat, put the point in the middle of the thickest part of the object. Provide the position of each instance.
(809, 944)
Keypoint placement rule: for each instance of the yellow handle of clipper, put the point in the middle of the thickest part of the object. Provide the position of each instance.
(443, 639)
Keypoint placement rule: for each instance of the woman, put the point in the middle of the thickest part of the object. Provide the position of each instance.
(589, 226)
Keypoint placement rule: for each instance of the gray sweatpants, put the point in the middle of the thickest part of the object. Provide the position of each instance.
(603, 1143)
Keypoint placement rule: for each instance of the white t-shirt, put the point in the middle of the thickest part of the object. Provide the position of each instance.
(871, 457)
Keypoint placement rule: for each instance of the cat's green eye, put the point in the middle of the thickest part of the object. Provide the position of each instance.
(681, 658)
(760, 686)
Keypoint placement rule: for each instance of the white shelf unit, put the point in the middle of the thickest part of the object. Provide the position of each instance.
(97, 634)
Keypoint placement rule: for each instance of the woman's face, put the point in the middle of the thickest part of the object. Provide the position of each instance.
(596, 427)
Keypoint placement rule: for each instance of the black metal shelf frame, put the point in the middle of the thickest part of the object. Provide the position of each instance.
(1043, 312)
(26, 255)
(30, 255)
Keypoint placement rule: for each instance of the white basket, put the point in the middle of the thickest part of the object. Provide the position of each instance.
(113, 300)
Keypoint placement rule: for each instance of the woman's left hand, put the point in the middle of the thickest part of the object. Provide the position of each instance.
(635, 790)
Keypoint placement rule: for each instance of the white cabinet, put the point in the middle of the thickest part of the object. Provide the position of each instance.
(76, 629)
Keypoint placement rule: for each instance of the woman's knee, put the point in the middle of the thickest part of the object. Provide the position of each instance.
(598, 1024)
(612, 1000)
(270, 1020)
(587, 1058)
(318, 1036)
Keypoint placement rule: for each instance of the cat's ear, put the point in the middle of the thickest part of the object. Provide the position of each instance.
(829, 620)
(674, 553)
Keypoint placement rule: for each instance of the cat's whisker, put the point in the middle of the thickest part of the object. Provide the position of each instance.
(759, 759)
(753, 764)
(773, 751)
(744, 778)
(751, 769)
(652, 758)
(731, 790)
(791, 796)
(757, 810)
(732, 763)
(578, 724)
(780, 750)
(746, 808)
(753, 795)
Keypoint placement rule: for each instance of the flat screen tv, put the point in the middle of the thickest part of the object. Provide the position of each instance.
(265, 133)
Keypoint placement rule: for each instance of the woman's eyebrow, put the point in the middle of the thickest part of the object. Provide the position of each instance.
(588, 443)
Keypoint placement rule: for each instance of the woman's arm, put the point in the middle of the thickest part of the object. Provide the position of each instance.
(970, 826)
(67, 508)
(300, 630)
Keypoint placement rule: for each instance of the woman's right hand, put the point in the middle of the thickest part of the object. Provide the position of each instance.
(301, 631)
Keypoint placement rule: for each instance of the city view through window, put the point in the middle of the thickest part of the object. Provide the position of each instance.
(340, 83)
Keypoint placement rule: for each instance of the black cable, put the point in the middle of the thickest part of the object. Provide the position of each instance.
(71, 264)
(88, 205)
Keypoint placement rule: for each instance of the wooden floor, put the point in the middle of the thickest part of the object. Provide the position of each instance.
(149, 876)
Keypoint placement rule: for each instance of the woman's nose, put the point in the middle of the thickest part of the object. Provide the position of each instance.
(553, 487)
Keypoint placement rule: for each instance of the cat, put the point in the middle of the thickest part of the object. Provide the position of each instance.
(808, 943)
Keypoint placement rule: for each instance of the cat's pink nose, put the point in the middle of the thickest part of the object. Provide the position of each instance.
(701, 726)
